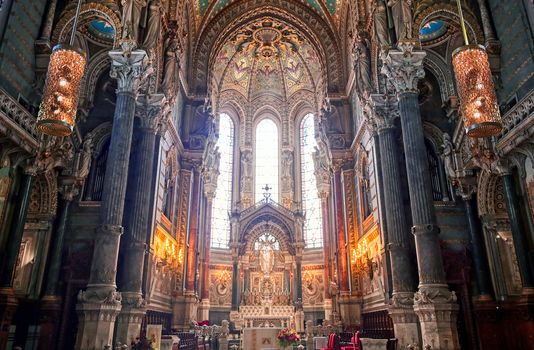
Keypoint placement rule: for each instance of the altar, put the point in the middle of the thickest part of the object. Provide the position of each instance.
(260, 338)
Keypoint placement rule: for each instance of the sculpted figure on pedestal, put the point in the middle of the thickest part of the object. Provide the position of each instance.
(362, 65)
(381, 23)
(153, 28)
(131, 16)
(171, 66)
(401, 11)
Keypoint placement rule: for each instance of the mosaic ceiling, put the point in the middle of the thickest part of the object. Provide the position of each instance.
(267, 56)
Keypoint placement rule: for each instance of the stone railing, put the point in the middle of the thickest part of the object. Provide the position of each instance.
(17, 123)
(518, 124)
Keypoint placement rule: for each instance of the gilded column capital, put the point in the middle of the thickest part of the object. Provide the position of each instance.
(128, 68)
(385, 110)
(404, 67)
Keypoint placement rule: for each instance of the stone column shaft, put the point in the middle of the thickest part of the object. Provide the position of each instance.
(326, 246)
(235, 286)
(205, 292)
(518, 233)
(193, 233)
(17, 229)
(478, 251)
(100, 304)
(298, 280)
(341, 234)
(434, 304)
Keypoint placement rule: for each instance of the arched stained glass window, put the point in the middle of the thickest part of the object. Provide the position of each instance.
(222, 203)
(266, 159)
(313, 226)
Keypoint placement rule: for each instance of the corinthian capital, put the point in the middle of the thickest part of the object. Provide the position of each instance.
(151, 110)
(128, 69)
(385, 110)
(404, 67)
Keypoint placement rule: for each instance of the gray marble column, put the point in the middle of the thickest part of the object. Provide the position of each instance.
(518, 232)
(99, 305)
(17, 229)
(434, 304)
(403, 280)
(149, 112)
(298, 282)
(235, 286)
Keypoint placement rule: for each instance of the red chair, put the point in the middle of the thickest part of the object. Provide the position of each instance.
(332, 342)
(355, 340)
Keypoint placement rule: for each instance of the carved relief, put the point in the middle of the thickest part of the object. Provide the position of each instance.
(220, 287)
(313, 287)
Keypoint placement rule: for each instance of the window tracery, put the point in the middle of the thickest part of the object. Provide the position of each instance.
(313, 225)
(222, 203)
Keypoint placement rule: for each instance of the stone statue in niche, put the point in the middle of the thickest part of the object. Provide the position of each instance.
(287, 164)
(131, 17)
(362, 65)
(171, 66)
(381, 27)
(153, 28)
(401, 11)
(447, 156)
(266, 257)
(85, 157)
(246, 170)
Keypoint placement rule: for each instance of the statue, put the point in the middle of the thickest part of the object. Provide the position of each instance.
(171, 65)
(266, 258)
(85, 160)
(402, 18)
(362, 65)
(287, 163)
(447, 156)
(153, 29)
(381, 24)
(131, 16)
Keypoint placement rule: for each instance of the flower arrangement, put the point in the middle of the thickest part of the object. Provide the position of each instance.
(287, 337)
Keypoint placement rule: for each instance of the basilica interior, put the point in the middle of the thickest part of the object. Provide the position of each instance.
(235, 167)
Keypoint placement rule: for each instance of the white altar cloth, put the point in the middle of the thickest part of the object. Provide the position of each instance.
(260, 338)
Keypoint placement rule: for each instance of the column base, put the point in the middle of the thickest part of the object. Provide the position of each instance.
(130, 318)
(299, 321)
(204, 310)
(96, 320)
(437, 310)
(405, 322)
(344, 307)
(8, 306)
(49, 321)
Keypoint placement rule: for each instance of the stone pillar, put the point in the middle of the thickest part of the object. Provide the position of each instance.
(235, 285)
(205, 291)
(327, 256)
(403, 282)
(434, 304)
(478, 250)
(343, 277)
(190, 295)
(149, 112)
(50, 310)
(46, 31)
(297, 284)
(518, 234)
(100, 304)
(8, 302)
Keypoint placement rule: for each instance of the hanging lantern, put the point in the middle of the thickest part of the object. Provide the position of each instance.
(478, 100)
(57, 112)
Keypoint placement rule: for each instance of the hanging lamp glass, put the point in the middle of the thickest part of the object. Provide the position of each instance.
(478, 101)
(57, 112)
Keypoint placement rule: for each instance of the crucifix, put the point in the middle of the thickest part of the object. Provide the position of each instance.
(266, 194)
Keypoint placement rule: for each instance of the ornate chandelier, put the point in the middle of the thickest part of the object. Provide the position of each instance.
(478, 100)
(57, 112)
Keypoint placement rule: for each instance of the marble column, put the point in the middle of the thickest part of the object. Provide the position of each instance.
(477, 247)
(46, 31)
(8, 301)
(205, 290)
(100, 304)
(326, 248)
(341, 234)
(235, 285)
(518, 234)
(50, 308)
(190, 295)
(402, 278)
(434, 304)
(137, 226)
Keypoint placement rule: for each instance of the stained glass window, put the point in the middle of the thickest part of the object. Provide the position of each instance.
(313, 225)
(266, 159)
(222, 203)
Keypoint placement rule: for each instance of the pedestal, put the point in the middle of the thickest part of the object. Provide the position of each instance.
(374, 344)
(299, 321)
(437, 321)
(191, 304)
(204, 310)
(97, 322)
(328, 309)
(130, 318)
(405, 322)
